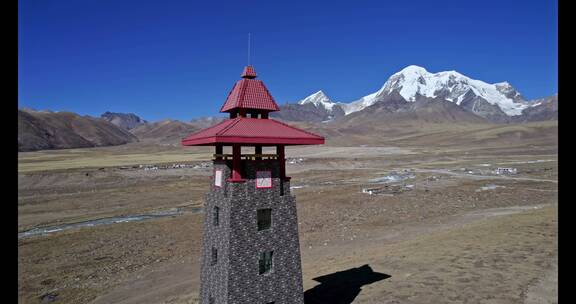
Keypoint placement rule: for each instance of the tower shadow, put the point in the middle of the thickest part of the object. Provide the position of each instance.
(342, 287)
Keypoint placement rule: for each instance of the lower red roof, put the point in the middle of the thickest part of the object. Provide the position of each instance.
(243, 130)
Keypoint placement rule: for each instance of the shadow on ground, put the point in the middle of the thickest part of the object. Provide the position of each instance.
(342, 287)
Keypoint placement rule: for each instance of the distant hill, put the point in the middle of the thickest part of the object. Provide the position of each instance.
(40, 130)
(208, 121)
(171, 132)
(164, 132)
(126, 121)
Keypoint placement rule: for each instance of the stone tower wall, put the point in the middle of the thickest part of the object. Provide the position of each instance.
(235, 279)
(214, 278)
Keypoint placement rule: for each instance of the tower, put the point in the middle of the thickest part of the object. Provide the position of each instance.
(251, 252)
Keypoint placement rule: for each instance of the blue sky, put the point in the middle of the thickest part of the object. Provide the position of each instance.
(179, 59)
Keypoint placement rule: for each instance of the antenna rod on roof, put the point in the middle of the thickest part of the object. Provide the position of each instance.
(248, 48)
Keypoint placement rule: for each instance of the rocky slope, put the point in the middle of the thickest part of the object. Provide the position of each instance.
(125, 121)
(394, 108)
(542, 109)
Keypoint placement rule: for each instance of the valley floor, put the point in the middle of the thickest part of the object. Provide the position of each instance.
(409, 224)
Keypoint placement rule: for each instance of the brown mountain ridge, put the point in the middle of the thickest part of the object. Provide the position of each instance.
(42, 130)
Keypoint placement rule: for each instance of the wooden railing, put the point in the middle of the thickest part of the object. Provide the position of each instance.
(246, 156)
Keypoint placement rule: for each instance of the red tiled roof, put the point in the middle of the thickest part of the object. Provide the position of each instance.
(249, 93)
(252, 131)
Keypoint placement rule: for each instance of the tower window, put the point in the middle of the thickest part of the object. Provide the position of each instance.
(216, 219)
(264, 218)
(265, 262)
(214, 256)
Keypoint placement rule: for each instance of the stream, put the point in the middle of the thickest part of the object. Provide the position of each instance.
(105, 221)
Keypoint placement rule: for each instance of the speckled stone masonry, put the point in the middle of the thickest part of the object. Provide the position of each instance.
(235, 279)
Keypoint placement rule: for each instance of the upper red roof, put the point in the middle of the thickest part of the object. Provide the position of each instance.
(249, 93)
(252, 131)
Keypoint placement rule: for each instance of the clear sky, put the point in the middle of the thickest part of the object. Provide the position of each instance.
(179, 59)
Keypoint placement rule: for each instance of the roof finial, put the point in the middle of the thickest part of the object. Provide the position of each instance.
(248, 48)
(248, 72)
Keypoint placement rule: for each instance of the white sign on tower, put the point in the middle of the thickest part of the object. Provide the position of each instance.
(263, 179)
(218, 178)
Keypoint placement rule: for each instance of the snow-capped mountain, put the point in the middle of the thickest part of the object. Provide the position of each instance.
(498, 102)
(318, 99)
(316, 107)
(414, 81)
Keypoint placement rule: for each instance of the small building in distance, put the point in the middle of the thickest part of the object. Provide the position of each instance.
(501, 171)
